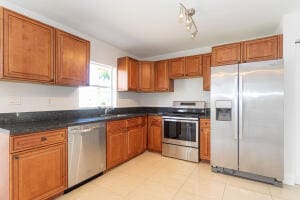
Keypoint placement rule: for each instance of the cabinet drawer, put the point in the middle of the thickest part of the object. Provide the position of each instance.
(204, 123)
(115, 126)
(29, 141)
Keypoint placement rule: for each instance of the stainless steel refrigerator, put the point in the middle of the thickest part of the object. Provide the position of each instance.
(247, 120)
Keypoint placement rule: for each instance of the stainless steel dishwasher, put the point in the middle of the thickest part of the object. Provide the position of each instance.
(86, 152)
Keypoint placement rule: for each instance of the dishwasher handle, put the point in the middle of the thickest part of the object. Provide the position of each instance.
(85, 128)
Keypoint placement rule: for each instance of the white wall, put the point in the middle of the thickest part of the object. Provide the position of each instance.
(184, 89)
(291, 32)
(35, 97)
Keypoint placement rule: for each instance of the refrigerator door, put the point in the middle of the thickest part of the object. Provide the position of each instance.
(261, 118)
(224, 117)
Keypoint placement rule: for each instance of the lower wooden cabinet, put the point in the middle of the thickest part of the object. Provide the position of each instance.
(116, 148)
(39, 173)
(125, 139)
(154, 133)
(205, 139)
(33, 166)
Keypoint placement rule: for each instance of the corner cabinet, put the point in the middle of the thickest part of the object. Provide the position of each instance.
(127, 74)
(27, 48)
(163, 83)
(73, 58)
(155, 133)
(38, 165)
(146, 76)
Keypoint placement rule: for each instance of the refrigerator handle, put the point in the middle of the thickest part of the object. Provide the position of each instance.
(236, 115)
(241, 117)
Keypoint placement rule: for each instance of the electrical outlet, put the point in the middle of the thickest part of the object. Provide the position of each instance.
(14, 100)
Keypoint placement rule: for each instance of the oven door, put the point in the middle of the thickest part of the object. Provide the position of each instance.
(181, 131)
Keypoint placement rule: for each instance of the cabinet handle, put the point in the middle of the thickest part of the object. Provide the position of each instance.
(16, 157)
(43, 139)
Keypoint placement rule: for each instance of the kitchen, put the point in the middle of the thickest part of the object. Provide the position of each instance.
(91, 113)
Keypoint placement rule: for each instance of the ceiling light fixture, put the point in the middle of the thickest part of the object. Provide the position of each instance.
(188, 15)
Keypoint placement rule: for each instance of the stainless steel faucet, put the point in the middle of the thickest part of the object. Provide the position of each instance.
(108, 109)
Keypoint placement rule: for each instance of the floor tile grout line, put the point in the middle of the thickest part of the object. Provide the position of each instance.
(187, 178)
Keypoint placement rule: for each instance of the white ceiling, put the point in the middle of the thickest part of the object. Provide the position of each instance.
(148, 28)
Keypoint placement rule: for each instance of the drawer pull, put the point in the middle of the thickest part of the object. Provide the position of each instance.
(16, 157)
(43, 139)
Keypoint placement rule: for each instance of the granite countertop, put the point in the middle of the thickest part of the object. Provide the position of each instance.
(37, 126)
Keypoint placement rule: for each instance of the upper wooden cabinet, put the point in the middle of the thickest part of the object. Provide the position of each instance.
(268, 48)
(206, 60)
(193, 65)
(226, 54)
(35, 52)
(26, 47)
(146, 76)
(177, 67)
(128, 72)
(73, 58)
(162, 79)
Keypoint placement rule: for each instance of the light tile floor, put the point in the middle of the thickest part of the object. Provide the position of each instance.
(151, 176)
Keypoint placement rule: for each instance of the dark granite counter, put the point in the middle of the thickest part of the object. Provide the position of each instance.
(30, 122)
(37, 126)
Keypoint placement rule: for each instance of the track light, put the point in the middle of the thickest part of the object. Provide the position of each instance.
(189, 22)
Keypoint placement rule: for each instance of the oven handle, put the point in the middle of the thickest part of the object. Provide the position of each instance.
(179, 120)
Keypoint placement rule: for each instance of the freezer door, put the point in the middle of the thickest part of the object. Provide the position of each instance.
(224, 116)
(261, 118)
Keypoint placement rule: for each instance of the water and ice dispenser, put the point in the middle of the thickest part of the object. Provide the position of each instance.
(224, 110)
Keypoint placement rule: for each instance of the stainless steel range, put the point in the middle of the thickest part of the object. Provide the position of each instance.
(180, 137)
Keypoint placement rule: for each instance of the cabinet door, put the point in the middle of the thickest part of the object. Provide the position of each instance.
(206, 59)
(155, 133)
(116, 148)
(146, 76)
(177, 68)
(39, 174)
(28, 49)
(133, 74)
(72, 59)
(139, 141)
(133, 137)
(145, 137)
(205, 144)
(261, 49)
(193, 65)
(226, 54)
(162, 79)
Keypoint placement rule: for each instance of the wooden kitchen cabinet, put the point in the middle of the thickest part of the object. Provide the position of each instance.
(226, 54)
(39, 173)
(116, 148)
(193, 65)
(177, 68)
(205, 139)
(146, 76)
(262, 49)
(128, 74)
(125, 139)
(206, 60)
(27, 48)
(155, 133)
(38, 165)
(72, 59)
(163, 83)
